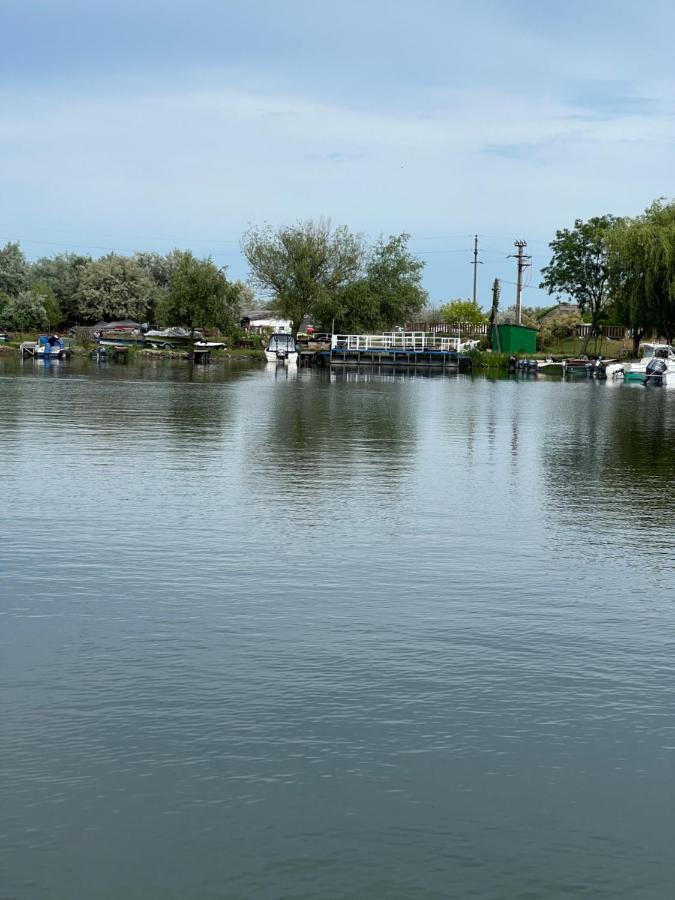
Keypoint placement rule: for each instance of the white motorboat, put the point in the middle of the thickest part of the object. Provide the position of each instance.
(637, 371)
(51, 348)
(281, 348)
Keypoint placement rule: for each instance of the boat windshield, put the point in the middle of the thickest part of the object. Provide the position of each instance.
(662, 351)
(282, 342)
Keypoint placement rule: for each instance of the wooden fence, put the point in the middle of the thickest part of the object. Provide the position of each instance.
(613, 332)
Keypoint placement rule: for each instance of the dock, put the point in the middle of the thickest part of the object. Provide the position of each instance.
(398, 350)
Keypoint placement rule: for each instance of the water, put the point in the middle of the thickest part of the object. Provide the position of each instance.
(300, 637)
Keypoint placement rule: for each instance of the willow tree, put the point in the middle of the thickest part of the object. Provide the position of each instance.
(300, 265)
(642, 253)
(580, 267)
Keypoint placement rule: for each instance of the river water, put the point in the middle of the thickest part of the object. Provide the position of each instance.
(266, 635)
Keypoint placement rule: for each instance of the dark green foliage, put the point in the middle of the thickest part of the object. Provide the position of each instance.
(61, 274)
(580, 266)
(50, 303)
(387, 292)
(199, 295)
(643, 270)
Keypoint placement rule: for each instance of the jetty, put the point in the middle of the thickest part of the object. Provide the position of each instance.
(399, 350)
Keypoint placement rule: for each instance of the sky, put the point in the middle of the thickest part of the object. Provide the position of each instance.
(151, 125)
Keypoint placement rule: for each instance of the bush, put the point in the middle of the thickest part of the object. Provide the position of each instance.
(558, 328)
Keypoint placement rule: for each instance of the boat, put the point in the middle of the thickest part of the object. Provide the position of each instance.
(170, 338)
(599, 368)
(639, 371)
(209, 345)
(581, 367)
(51, 348)
(550, 367)
(281, 348)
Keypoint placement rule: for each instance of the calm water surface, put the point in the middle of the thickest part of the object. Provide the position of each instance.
(309, 637)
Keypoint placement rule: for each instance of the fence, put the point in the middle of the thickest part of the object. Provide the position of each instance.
(396, 340)
(613, 332)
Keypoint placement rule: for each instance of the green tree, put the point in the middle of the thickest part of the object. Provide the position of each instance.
(113, 287)
(580, 267)
(61, 273)
(200, 295)
(394, 276)
(642, 256)
(25, 312)
(388, 292)
(301, 265)
(463, 312)
(50, 303)
(13, 269)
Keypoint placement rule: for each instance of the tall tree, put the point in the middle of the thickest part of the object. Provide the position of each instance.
(61, 273)
(13, 269)
(642, 255)
(394, 276)
(387, 293)
(301, 265)
(113, 287)
(580, 267)
(200, 295)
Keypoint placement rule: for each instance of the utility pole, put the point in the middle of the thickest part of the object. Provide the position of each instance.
(475, 265)
(523, 263)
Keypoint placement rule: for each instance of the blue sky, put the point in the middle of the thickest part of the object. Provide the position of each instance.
(150, 125)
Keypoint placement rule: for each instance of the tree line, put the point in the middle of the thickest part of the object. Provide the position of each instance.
(307, 269)
(72, 289)
(618, 270)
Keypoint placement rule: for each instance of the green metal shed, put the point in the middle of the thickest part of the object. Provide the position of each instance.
(514, 339)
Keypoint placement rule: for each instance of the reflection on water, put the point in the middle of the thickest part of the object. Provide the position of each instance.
(275, 632)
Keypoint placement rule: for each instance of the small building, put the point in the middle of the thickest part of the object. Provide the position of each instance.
(259, 320)
(514, 339)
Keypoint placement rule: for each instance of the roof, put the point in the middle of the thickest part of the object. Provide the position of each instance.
(121, 323)
(561, 309)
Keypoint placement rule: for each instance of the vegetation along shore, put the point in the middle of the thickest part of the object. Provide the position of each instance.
(612, 271)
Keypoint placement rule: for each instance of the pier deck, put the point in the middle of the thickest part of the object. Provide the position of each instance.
(398, 350)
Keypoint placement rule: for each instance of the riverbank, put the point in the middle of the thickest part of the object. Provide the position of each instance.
(13, 348)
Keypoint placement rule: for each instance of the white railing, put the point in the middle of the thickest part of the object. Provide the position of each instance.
(396, 340)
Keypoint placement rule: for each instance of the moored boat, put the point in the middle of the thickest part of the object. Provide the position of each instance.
(550, 367)
(51, 347)
(281, 348)
(640, 371)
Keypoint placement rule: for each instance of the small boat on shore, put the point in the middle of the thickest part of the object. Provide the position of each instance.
(281, 348)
